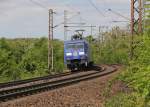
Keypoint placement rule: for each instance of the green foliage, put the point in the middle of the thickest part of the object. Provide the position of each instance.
(58, 57)
(137, 76)
(138, 73)
(113, 49)
(27, 58)
(126, 100)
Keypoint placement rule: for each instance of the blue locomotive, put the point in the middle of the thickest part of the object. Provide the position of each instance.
(77, 53)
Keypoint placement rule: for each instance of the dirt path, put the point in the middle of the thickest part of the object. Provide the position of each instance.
(84, 94)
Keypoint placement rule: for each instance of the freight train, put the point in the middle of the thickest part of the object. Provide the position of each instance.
(77, 54)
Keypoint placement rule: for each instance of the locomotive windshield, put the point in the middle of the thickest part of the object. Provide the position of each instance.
(74, 46)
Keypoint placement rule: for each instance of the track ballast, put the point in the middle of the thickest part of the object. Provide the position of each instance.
(57, 81)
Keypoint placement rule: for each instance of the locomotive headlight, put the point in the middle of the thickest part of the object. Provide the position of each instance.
(68, 54)
(81, 53)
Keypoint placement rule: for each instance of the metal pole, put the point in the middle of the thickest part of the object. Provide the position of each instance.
(132, 17)
(49, 46)
(144, 15)
(140, 17)
(138, 9)
(134, 21)
(65, 24)
(99, 40)
(132, 29)
(50, 41)
(91, 30)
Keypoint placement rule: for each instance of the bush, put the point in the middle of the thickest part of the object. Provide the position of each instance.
(27, 58)
(137, 76)
(126, 100)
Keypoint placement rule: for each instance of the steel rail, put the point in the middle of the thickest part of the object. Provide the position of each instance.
(14, 93)
(20, 82)
(19, 89)
(26, 81)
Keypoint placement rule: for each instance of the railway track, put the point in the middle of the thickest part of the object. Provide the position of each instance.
(20, 82)
(12, 84)
(59, 80)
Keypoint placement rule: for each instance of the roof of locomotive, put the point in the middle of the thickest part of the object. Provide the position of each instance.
(75, 41)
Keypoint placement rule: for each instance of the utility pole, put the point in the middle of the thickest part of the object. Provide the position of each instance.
(140, 16)
(100, 40)
(102, 29)
(91, 29)
(65, 24)
(135, 21)
(100, 34)
(132, 17)
(132, 28)
(50, 42)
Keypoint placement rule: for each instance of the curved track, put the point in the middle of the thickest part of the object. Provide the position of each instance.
(15, 83)
(20, 82)
(56, 82)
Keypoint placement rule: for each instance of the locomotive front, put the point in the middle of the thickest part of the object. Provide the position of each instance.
(76, 54)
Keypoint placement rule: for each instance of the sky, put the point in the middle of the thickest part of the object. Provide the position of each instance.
(29, 18)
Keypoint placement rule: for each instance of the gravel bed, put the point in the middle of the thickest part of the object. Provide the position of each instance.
(84, 94)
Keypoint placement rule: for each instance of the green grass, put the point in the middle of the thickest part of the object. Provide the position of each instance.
(137, 76)
(126, 100)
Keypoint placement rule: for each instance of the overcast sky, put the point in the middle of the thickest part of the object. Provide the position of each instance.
(29, 18)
